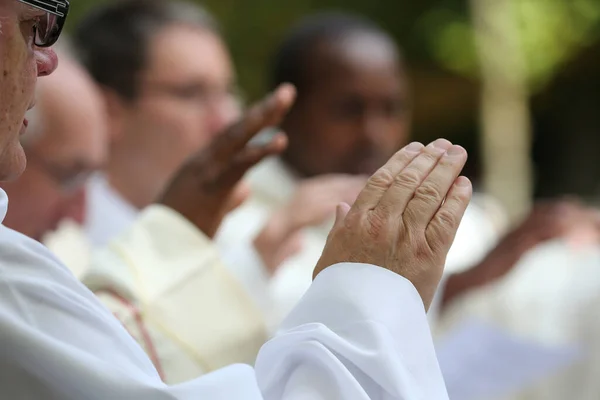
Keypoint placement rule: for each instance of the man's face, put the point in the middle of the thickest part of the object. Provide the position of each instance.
(21, 63)
(72, 144)
(184, 100)
(353, 116)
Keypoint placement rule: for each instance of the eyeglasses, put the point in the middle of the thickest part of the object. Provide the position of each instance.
(49, 27)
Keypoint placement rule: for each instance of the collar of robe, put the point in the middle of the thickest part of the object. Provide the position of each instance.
(3, 205)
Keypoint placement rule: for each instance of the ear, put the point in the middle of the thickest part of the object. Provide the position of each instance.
(116, 113)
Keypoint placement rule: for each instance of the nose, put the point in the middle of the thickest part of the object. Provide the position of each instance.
(75, 206)
(46, 60)
(374, 128)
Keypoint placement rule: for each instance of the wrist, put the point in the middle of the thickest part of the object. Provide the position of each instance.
(269, 240)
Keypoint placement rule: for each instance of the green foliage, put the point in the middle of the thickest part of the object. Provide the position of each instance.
(550, 32)
(431, 31)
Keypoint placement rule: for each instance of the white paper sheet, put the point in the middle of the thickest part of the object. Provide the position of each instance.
(481, 362)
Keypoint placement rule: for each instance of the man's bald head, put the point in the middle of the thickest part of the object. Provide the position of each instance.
(67, 140)
(70, 117)
(351, 112)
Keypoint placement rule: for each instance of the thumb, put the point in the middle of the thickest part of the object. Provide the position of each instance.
(340, 214)
(240, 194)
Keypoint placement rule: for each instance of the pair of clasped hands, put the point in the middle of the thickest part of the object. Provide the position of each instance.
(404, 219)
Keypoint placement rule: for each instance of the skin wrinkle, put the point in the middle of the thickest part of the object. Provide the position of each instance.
(69, 146)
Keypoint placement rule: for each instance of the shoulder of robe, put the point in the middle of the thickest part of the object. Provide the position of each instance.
(25, 256)
(71, 245)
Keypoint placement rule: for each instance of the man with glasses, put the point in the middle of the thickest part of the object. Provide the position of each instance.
(359, 333)
(65, 143)
(165, 100)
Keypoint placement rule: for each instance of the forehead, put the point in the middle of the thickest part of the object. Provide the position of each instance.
(361, 62)
(187, 51)
(14, 8)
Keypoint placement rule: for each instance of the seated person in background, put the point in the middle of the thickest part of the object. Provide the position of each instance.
(164, 102)
(352, 113)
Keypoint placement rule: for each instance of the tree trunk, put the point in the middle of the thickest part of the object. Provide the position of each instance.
(505, 116)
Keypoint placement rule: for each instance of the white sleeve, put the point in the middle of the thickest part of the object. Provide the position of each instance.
(360, 332)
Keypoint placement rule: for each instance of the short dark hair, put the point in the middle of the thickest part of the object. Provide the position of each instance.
(112, 41)
(289, 63)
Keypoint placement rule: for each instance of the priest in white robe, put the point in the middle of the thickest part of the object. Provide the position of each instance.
(360, 332)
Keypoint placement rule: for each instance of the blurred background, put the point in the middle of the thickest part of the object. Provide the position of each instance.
(516, 82)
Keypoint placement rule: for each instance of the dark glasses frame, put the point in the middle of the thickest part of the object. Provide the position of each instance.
(48, 31)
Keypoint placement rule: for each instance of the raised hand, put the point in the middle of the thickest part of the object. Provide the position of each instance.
(206, 187)
(406, 217)
(313, 203)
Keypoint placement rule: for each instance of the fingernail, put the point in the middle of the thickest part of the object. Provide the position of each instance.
(414, 147)
(441, 144)
(455, 151)
(463, 181)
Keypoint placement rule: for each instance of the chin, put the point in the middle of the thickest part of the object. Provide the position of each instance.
(12, 163)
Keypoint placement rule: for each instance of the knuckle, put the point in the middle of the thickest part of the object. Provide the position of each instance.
(429, 193)
(408, 179)
(382, 179)
(430, 157)
(446, 219)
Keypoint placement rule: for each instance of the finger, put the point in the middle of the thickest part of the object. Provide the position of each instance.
(429, 196)
(441, 231)
(238, 196)
(379, 183)
(265, 114)
(340, 214)
(406, 183)
(248, 158)
(291, 246)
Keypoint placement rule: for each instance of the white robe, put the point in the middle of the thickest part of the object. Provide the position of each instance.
(360, 332)
(163, 279)
(551, 297)
(108, 213)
